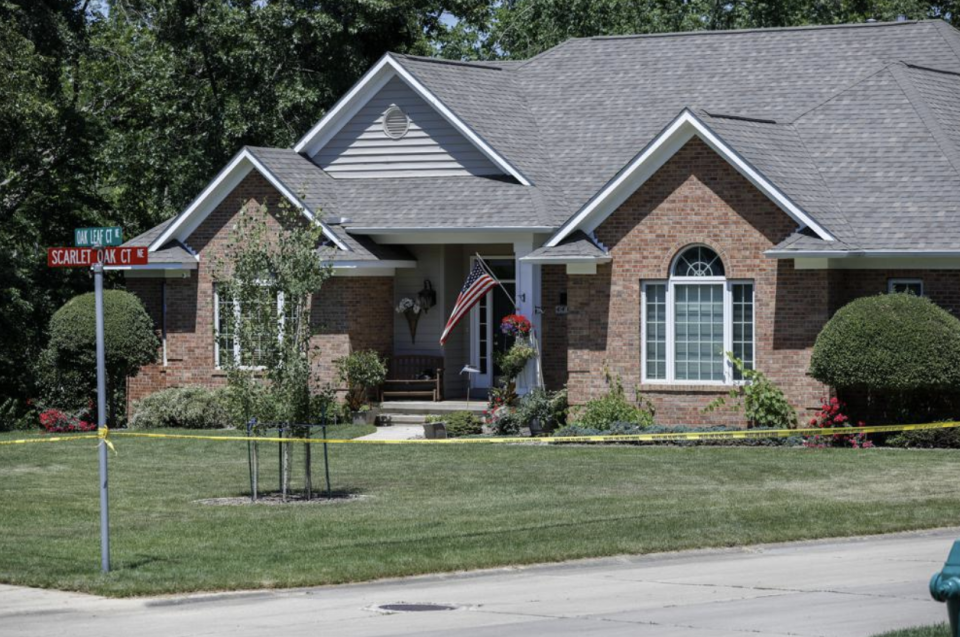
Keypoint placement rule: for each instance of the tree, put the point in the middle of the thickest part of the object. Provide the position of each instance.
(270, 270)
(69, 361)
(118, 112)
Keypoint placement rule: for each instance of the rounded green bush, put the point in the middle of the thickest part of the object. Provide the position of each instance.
(70, 358)
(891, 342)
(184, 407)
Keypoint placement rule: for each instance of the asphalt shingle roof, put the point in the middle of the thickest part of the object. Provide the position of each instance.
(578, 245)
(171, 252)
(859, 125)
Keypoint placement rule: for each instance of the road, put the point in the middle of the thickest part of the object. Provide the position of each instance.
(836, 588)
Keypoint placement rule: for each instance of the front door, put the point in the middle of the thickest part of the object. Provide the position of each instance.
(485, 335)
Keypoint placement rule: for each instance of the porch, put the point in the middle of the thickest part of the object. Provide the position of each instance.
(434, 284)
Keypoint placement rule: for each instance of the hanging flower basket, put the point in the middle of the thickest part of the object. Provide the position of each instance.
(516, 325)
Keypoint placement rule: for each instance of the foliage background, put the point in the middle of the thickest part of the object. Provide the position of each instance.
(117, 112)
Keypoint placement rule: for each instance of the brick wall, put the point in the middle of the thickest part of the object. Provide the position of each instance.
(553, 346)
(348, 313)
(695, 198)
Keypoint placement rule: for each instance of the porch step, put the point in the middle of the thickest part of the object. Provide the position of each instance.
(422, 408)
(404, 419)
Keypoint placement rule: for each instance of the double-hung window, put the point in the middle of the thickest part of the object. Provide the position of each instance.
(690, 320)
(246, 331)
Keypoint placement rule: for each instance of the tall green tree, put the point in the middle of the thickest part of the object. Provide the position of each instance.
(119, 111)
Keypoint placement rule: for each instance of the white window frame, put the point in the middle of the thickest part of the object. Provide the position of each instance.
(671, 284)
(236, 337)
(891, 283)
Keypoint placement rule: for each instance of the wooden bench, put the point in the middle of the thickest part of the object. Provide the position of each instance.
(406, 378)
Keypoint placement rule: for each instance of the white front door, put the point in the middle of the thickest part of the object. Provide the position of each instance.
(485, 317)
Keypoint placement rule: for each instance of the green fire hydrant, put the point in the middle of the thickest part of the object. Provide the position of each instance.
(945, 587)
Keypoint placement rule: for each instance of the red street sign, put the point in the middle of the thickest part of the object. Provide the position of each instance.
(87, 257)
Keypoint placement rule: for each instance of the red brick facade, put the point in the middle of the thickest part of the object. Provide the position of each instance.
(348, 314)
(695, 198)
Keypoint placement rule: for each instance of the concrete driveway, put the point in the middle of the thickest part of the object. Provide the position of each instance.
(835, 588)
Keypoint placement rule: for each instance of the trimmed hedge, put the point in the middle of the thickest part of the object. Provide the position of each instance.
(926, 439)
(182, 407)
(891, 342)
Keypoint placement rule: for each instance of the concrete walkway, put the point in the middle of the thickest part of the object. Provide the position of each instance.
(835, 588)
(395, 432)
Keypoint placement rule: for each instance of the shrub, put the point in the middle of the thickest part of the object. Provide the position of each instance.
(55, 421)
(900, 347)
(17, 416)
(362, 371)
(628, 429)
(462, 423)
(182, 407)
(612, 407)
(927, 439)
(513, 361)
(69, 363)
(831, 416)
(546, 407)
(762, 402)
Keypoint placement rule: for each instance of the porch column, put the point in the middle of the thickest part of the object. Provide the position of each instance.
(528, 300)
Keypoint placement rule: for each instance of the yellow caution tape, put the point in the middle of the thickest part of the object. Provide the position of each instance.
(103, 433)
(28, 441)
(742, 434)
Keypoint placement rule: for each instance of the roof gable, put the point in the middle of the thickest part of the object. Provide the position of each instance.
(239, 167)
(369, 85)
(429, 147)
(684, 127)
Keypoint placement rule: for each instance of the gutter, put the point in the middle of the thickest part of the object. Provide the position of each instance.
(869, 254)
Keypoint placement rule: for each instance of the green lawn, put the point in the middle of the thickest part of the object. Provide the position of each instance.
(940, 630)
(438, 508)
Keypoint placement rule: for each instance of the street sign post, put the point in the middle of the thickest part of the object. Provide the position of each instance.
(97, 248)
(97, 237)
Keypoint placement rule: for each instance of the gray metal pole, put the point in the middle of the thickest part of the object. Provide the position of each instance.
(102, 422)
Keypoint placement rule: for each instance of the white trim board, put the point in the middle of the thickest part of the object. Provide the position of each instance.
(368, 86)
(222, 185)
(654, 156)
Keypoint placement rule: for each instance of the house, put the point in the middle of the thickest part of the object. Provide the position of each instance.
(653, 201)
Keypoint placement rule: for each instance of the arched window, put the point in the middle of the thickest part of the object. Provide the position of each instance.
(690, 320)
(698, 261)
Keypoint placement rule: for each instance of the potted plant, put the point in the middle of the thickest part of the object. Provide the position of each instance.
(361, 372)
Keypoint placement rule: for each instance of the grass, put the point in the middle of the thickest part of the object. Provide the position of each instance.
(939, 630)
(441, 508)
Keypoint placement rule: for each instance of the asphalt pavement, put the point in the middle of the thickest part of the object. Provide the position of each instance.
(835, 588)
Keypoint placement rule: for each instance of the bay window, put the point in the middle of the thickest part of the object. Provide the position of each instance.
(690, 320)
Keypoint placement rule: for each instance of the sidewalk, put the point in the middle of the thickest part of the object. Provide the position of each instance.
(836, 588)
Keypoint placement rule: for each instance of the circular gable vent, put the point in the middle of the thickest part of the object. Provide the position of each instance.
(395, 123)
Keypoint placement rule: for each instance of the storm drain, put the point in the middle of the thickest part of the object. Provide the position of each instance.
(414, 608)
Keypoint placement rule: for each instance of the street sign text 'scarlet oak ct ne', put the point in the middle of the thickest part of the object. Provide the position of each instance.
(88, 257)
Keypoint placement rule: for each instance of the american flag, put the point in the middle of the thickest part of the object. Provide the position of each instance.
(477, 284)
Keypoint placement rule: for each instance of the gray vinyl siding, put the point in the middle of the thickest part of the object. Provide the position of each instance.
(407, 283)
(431, 148)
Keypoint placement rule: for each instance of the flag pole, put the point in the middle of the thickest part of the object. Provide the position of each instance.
(493, 276)
(533, 328)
